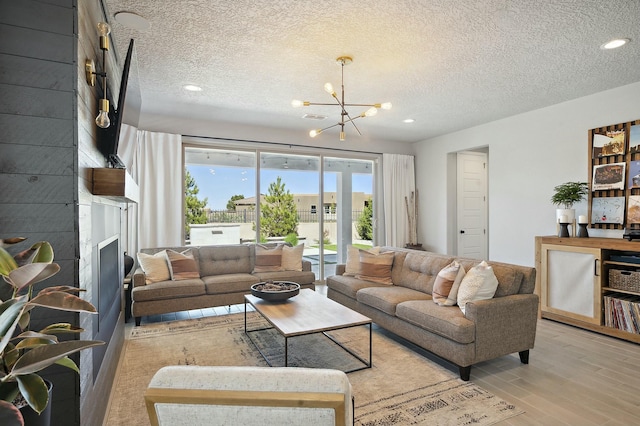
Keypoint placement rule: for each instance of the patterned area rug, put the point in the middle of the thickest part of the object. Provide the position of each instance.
(402, 388)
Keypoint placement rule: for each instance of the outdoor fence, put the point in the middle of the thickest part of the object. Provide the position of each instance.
(249, 216)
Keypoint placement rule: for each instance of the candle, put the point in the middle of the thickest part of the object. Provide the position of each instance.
(564, 218)
(582, 219)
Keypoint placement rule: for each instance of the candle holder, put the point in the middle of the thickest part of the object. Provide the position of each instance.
(582, 230)
(564, 230)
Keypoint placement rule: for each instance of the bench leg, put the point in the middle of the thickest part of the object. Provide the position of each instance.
(524, 356)
(138, 320)
(465, 373)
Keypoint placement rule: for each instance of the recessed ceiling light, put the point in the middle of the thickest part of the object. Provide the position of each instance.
(192, 88)
(132, 20)
(408, 120)
(615, 43)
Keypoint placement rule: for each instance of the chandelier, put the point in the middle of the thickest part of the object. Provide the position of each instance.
(345, 117)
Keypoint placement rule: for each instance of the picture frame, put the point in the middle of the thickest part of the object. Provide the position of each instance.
(610, 142)
(608, 176)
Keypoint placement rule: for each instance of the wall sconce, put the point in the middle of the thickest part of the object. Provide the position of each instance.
(102, 120)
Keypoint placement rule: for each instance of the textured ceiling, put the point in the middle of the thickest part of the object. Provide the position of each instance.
(448, 64)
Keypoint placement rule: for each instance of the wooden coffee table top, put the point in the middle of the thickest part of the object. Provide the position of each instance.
(306, 313)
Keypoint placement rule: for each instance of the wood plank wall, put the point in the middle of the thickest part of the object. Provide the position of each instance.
(47, 151)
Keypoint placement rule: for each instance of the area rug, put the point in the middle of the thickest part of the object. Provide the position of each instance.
(402, 388)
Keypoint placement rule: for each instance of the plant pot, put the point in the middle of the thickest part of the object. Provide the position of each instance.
(569, 213)
(31, 418)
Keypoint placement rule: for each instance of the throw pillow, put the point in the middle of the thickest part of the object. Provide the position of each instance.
(268, 259)
(183, 265)
(479, 283)
(445, 287)
(376, 267)
(154, 266)
(292, 258)
(352, 266)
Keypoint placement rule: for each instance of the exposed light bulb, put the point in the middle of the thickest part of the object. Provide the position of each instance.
(102, 120)
(104, 29)
(342, 136)
(296, 103)
(315, 133)
(386, 105)
(328, 87)
(371, 112)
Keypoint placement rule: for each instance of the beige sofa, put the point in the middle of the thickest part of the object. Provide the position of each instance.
(226, 275)
(489, 329)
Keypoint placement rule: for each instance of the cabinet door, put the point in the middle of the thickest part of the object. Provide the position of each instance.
(571, 282)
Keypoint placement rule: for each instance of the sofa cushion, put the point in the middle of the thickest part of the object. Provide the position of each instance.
(376, 267)
(349, 286)
(447, 321)
(446, 284)
(182, 266)
(268, 259)
(168, 290)
(154, 266)
(229, 283)
(418, 270)
(480, 283)
(292, 257)
(385, 298)
(300, 277)
(225, 259)
(352, 266)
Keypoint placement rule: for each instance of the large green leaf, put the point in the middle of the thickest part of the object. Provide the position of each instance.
(9, 320)
(39, 358)
(7, 262)
(34, 390)
(40, 252)
(62, 301)
(10, 415)
(32, 273)
(61, 327)
(67, 362)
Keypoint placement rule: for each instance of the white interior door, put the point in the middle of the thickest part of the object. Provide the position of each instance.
(472, 205)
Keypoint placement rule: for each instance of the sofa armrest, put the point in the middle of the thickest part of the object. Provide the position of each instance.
(139, 278)
(340, 268)
(306, 265)
(504, 325)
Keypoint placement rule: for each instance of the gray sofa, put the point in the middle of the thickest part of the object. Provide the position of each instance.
(226, 275)
(490, 328)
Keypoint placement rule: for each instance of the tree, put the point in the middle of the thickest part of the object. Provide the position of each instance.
(278, 214)
(231, 206)
(364, 227)
(194, 207)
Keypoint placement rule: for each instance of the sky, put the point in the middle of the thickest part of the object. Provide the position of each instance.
(218, 184)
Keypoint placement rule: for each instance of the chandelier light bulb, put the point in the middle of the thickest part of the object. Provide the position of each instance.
(342, 136)
(315, 132)
(328, 87)
(104, 29)
(102, 120)
(386, 105)
(371, 112)
(296, 103)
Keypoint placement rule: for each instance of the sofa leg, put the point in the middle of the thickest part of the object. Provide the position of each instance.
(524, 356)
(465, 373)
(138, 320)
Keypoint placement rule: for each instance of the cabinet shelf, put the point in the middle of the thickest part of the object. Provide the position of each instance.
(617, 290)
(115, 184)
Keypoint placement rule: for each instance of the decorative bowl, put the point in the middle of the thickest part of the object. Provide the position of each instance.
(275, 291)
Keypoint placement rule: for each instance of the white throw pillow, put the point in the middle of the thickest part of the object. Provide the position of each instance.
(479, 283)
(292, 257)
(352, 267)
(154, 266)
(447, 283)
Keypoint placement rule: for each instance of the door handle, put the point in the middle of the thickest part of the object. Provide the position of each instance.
(462, 231)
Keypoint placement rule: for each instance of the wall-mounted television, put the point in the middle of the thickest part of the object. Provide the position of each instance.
(127, 110)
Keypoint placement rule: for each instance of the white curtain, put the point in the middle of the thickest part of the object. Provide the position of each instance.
(398, 178)
(154, 160)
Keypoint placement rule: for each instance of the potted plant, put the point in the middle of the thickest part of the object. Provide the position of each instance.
(25, 352)
(565, 196)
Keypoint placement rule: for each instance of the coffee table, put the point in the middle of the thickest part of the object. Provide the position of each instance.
(307, 313)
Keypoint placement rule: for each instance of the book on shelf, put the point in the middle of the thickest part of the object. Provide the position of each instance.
(622, 311)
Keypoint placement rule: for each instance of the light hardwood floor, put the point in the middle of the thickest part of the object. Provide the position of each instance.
(574, 376)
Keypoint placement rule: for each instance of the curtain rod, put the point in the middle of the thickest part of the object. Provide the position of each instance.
(280, 144)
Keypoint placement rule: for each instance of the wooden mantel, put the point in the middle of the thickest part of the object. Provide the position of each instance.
(115, 184)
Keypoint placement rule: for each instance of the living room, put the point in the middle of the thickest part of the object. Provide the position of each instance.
(49, 148)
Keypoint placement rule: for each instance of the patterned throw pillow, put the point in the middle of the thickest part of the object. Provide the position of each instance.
(445, 287)
(479, 283)
(376, 267)
(292, 258)
(268, 259)
(154, 266)
(183, 265)
(352, 266)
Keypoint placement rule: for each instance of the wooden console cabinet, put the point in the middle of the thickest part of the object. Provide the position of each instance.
(574, 285)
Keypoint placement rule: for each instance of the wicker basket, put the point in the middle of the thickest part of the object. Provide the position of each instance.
(624, 280)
